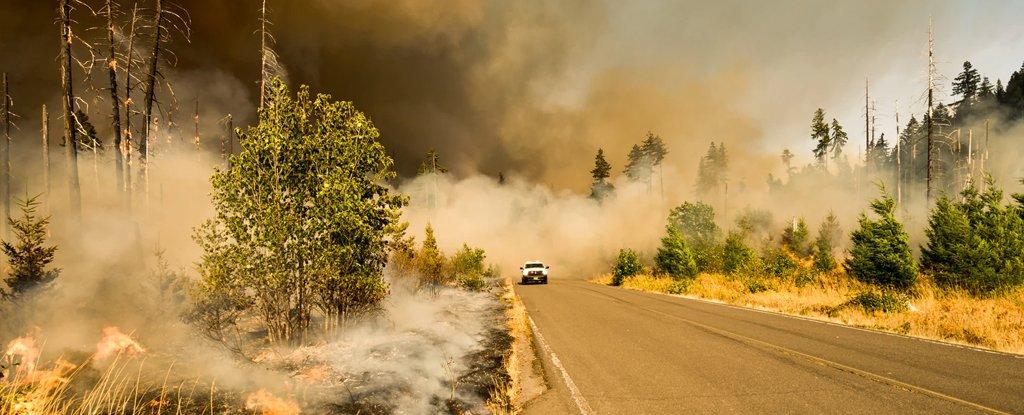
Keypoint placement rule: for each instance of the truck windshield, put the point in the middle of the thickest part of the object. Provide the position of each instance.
(535, 265)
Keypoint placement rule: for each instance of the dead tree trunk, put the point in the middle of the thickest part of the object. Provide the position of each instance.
(6, 190)
(151, 75)
(114, 99)
(195, 120)
(70, 139)
(930, 166)
(127, 150)
(46, 153)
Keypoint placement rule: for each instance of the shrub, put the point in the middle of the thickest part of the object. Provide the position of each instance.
(825, 243)
(626, 265)
(881, 254)
(976, 243)
(430, 262)
(680, 286)
(884, 301)
(468, 267)
(674, 257)
(757, 285)
(776, 263)
(735, 254)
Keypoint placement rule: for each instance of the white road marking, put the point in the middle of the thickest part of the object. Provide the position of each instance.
(577, 397)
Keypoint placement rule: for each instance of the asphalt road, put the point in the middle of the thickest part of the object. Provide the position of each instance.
(627, 352)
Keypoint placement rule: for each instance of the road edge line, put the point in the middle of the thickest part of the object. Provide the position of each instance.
(577, 397)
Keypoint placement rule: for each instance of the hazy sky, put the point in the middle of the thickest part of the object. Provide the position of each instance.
(515, 86)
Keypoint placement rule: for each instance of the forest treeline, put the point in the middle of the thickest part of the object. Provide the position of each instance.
(974, 232)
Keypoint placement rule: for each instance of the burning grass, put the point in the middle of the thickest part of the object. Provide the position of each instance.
(952, 316)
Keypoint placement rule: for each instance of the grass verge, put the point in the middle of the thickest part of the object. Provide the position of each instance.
(951, 316)
(523, 383)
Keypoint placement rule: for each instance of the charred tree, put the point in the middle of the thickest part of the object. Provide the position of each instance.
(195, 121)
(151, 75)
(930, 163)
(127, 150)
(115, 99)
(46, 152)
(70, 139)
(6, 190)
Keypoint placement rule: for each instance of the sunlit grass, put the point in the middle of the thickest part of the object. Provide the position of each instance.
(953, 316)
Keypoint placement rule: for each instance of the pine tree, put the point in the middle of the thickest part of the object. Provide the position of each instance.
(796, 236)
(638, 167)
(654, 150)
(966, 85)
(430, 261)
(627, 264)
(837, 141)
(29, 257)
(820, 135)
(824, 244)
(711, 172)
(600, 188)
(787, 160)
(975, 243)
(674, 256)
(432, 164)
(881, 252)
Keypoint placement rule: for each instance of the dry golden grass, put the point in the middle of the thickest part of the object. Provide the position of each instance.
(120, 389)
(507, 398)
(952, 316)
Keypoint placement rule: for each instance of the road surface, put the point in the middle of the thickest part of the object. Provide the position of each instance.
(627, 352)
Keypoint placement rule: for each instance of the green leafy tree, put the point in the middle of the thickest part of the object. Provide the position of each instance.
(28, 257)
(627, 264)
(696, 221)
(302, 216)
(797, 237)
(824, 244)
(821, 136)
(601, 188)
(881, 253)
(469, 267)
(975, 243)
(736, 254)
(674, 256)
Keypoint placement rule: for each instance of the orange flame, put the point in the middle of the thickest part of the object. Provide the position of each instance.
(115, 342)
(25, 349)
(265, 403)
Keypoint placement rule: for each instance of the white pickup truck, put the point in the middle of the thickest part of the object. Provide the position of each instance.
(535, 271)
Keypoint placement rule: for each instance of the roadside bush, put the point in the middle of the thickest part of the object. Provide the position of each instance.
(469, 268)
(881, 254)
(674, 257)
(430, 262)
(757, 285)
(884, 301)
(735, 254)
(680, 286)
(975, 243)
(626, 265)
(776, 263)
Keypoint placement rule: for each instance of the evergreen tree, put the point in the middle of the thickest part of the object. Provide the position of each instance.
(838, 140)
(881, 253)
(797, 237)
(638, 165)
(787, 160)
(430, 261)
(600, 188)
(879, 153)
(1012, 98)
(674, 256)
(29, 257)
(654, 151)
(975, 243)
(824, 244)
(712, 170)
(820, 135)
(432, 164)
(966, 85)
